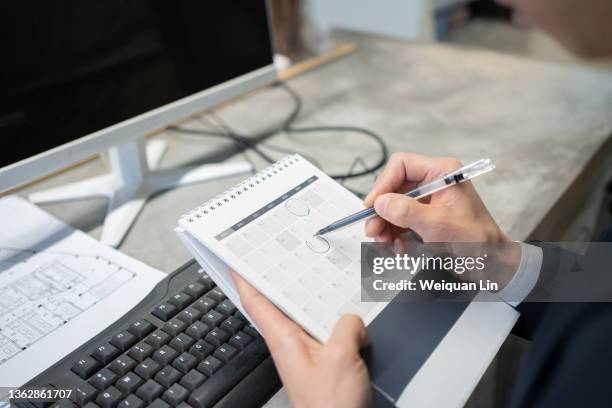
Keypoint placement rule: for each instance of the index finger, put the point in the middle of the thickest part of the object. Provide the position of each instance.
(403, 169)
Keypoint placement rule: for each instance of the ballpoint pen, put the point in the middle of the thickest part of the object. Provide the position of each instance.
(465, 173)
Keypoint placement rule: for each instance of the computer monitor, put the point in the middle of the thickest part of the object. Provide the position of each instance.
(82, 76)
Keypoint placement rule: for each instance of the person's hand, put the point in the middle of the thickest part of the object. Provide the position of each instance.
(315, 375)
(454, 214)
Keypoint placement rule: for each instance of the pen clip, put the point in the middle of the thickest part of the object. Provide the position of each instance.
(471, 170)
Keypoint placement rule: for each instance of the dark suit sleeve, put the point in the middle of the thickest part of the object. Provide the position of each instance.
(568, 362)
(566, 275)
(569, 359)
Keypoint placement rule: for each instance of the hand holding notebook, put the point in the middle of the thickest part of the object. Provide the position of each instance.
(264, 229)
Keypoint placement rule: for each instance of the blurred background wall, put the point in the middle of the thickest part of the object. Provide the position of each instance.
(303, 28)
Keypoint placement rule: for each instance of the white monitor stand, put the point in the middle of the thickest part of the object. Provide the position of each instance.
(134, 178)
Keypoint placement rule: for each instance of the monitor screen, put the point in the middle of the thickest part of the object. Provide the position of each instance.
(72, 67)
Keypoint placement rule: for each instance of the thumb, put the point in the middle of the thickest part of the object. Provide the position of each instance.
(349, 335)
(406, 212)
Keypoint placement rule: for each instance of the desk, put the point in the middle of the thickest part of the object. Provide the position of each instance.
(546, 126)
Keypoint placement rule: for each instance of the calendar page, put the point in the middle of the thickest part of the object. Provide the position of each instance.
(264, 229)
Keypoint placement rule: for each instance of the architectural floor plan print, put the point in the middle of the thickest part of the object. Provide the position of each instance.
(42, 291)
(59, 287)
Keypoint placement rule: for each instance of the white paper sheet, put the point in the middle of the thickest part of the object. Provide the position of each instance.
(58, 288)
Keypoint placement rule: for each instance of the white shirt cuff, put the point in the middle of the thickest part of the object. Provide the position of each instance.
(526, 276)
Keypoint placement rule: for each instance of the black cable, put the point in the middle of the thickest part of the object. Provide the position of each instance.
(245, 142)
(287, 123)
(293, 116)
(297, 100)
(241, 141)
(358, 160)
(369, 170)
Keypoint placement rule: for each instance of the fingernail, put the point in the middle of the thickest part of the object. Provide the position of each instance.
(367, 198)
(381, 203)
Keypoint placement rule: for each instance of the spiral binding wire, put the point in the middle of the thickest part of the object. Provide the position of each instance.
(236, 191)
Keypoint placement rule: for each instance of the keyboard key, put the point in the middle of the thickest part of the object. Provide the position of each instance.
(239, 315)
(122, 365)
(141, 328)
(232, 324)
(128, 383)
(251, 330)
(195, 290)
(149, 391)
(85, 367)
(184, 362)
(206, 281)
(201, 349)
(216, 294)
(124, 340)
(38, 402)
(213, 318)
(132, 401)
(205, 304)
(147, 369)
(158, 404)
(226, 307)
(240, 340)
(217, 336)
(165, 355)
(197, 330)
(210, 365)
(103, 379)
(140, 351)
(175, 395)
(110, 397)
(165, 311)
(217, 386)
(190, 315)
(181, 300)
(225, 353)
(193, 379)
(168, 376)
(105, 353)
(63, 403)
(174, 327)
(181, 342)
(83, 393)
(158, 338)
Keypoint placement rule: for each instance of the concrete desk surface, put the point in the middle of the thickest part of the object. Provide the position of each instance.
(544, 125)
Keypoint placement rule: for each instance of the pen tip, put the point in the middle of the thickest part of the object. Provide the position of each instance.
(321, 232)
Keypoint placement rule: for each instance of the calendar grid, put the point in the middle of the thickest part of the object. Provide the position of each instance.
(319, 275)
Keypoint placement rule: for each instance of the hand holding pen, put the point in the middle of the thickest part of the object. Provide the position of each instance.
(451, 214)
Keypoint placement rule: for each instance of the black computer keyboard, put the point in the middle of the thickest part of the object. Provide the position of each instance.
(184, 345)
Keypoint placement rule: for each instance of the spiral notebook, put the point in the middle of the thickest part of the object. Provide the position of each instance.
(263, 229)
